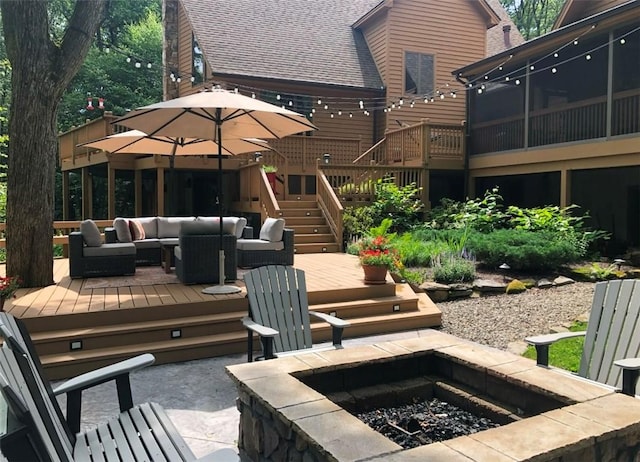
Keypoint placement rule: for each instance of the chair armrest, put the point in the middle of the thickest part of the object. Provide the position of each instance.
(336, 322)
(119, 372)
(542, 342)
(630, 373)
(262, 331)
(337, 326)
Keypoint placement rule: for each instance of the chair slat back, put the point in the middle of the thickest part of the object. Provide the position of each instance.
(613, 331)
(22, 371)
(278, 299)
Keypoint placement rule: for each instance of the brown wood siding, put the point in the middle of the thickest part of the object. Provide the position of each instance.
(583, 9)
(376, 36)
(185, 59)
(455, 40)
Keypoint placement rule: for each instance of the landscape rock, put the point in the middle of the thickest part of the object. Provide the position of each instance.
(436, 292)
(544, 284)
(563, 281)
(460, 290)
(487, 285)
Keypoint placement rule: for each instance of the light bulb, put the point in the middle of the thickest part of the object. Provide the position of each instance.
(588, 57)
(517, 81)
(319, 101)
(554, 70)
(149, 65)
(622, 41)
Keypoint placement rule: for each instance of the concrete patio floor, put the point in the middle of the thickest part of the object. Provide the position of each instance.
(197, 395)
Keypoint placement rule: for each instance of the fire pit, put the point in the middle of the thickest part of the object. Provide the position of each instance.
(303, 406)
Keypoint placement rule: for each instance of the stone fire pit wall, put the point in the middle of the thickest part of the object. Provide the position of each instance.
(561, 417)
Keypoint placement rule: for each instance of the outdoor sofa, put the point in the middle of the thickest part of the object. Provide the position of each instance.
(149, 234)
(90, 257)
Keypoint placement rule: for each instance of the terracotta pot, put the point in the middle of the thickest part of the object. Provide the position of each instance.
(375, 274)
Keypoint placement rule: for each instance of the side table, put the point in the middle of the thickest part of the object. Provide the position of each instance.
(167, 256)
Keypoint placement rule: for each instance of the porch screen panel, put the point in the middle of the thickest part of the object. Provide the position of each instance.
(626, 81)
(568, 93)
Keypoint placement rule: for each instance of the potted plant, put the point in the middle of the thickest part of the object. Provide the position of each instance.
(8, 287)
(270, 171)
(377, 254)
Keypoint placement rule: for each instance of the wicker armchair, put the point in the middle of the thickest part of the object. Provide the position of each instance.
(197, 254)
(105, 260)
(253, 257)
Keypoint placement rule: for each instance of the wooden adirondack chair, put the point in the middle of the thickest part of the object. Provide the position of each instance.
(33, 428)
(612, 337)
(279, 312)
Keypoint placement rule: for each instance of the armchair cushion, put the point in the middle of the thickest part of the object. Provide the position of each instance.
(230, 225)
(123, 232)
(110, 250)
(90, 233)
(259, 244)
(150, 225)
(272, 229)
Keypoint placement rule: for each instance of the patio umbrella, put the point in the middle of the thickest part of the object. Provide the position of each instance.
(138, 142)
(222, 116)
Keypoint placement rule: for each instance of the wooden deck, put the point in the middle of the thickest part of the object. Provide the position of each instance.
(76, 328)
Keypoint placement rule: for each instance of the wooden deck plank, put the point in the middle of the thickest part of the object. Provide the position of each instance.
(164, 295)
(111, 300)
(97, 300)
(153, 299)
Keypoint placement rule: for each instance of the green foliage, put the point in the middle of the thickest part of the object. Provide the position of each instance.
(482, 214)
(565, 353)
(400, 203)
(597, 272)
(523, 250)
(515, 287)
(110, 76)
(413, 276)
(533, 17)
(419, 252)
(451, 268)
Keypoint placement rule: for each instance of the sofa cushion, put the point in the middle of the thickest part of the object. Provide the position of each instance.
(258, 244)
(228, 224)
(272, 229)
(137, 230)
(199, 227)
(110, 250)
(240, 225)
(153, 243)
(150, 225)
(123, 232)
(169, 241)
(170, 226)
(90, 233)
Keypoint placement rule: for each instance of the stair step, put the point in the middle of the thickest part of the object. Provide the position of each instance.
(314, 238)
(297, 204)
(310, 229)
(316, 248)
(370, 307)
(290, 213)
(304, 221)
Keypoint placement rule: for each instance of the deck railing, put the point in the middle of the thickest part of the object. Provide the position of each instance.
(330, 206)
(582, 120)
(417, 144)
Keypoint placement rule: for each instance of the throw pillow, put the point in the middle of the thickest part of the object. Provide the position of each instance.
(122, 230)
(272, 229)
(137, 231)
(90, 233)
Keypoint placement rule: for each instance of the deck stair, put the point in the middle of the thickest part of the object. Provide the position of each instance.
(73, 344)
(312, 233)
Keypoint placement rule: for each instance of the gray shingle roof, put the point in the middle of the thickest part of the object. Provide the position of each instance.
(299, 40)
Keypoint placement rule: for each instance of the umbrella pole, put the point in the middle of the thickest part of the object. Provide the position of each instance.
(221, 287)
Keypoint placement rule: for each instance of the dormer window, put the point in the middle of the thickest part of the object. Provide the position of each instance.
(418, 73)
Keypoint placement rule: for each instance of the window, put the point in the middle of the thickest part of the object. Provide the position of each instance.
(418, 73)
(198, 65)
(298, 103)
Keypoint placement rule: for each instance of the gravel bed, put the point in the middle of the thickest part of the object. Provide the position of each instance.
(498, 320)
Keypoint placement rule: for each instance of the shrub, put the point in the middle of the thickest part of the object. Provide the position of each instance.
(418, 252)
(523, 250)
(515, 287)
(403, 204)
(451, 268)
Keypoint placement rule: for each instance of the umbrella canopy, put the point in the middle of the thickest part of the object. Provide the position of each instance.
(198, 115)
(222, 116)
(137, 142)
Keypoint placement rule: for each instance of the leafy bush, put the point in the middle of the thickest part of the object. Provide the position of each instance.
(482, 214)
(523, 250)
(418, 252)
(403, 204)
(515, 287)
(356, 221)
(450, 268)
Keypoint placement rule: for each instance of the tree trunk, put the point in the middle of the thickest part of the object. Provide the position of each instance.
(41, 70)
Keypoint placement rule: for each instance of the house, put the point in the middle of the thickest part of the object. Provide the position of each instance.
(373, 76)
(556, 120)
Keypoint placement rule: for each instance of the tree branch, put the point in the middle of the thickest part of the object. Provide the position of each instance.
(85, 21)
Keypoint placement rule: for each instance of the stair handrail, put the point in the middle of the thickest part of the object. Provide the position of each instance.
(369, 152)
(330, 207)
(268, 201)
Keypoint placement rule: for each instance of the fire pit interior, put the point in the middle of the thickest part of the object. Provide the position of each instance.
(426, 398)
(305, 407)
